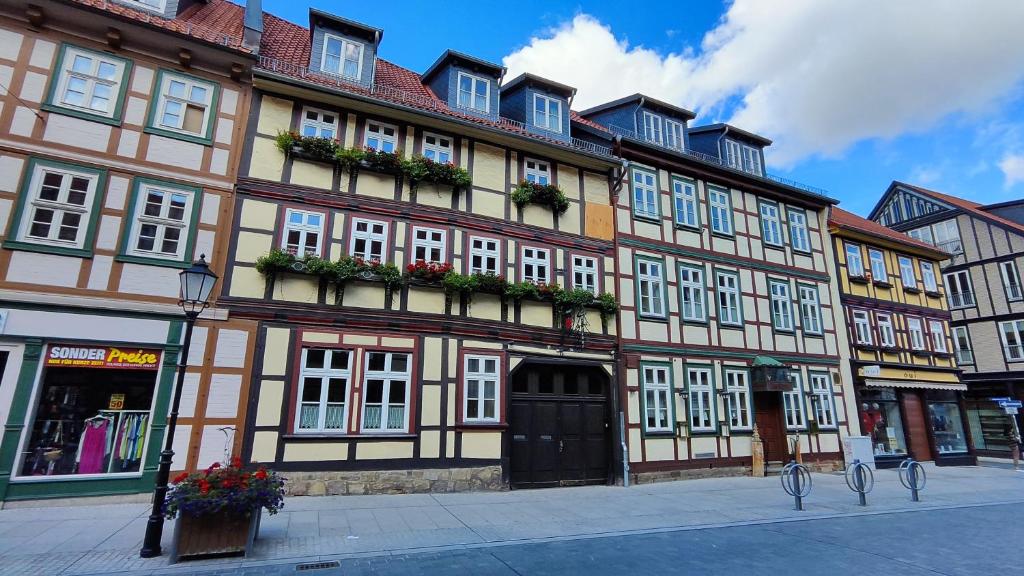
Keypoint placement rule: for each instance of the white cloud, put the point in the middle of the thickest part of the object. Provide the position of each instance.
(1012, 166)
(814, 76)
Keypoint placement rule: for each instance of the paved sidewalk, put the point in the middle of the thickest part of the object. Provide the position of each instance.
(106, 539)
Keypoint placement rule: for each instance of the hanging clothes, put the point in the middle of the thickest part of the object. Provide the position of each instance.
(92, 446)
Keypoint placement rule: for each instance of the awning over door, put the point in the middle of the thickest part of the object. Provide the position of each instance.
(918, 384)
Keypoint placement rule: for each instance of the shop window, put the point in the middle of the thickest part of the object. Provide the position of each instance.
(323, 390)
(821, 399)
(536, 264)
(483, 255)
(691, 288)
(58, 207)
(737, 390)
(651, 297)
(793, 404)
(700, 389)
(163, 220)
(947, 425)
(302, 232)
(185, 106)
(657, 388)
(368, 239)
(481, 389)
(386, 392)
(90, 83)
(880, 419)
(93, 412)
(584, 274)
(428, 244)
(319, 123)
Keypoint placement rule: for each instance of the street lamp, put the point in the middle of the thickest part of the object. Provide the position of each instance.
(196, 285)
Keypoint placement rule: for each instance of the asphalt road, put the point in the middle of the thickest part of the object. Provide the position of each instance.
(960, 541)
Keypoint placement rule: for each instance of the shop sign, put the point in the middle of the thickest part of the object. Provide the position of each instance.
(871, 371)
(116, 402)
(72, 356)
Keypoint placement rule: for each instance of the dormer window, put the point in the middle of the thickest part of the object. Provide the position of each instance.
(652, 128)
(474, 93)
(547, 113)
(538, 172)
(743, 157)
(342, 56)
(381, 137)
(673, 134)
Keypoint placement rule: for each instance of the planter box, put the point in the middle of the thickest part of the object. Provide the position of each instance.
(214, 535)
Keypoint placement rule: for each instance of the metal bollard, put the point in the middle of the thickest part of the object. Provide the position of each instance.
(796, 481)
(913, 477)
(860, 479)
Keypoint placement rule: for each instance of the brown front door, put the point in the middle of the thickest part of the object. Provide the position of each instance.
(916, 426)
(768, 417)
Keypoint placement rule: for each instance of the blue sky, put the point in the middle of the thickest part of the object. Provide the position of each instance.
(926, 91)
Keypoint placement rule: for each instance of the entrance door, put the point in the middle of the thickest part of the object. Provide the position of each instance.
(916, 426)
(768, 417)
(559, 426)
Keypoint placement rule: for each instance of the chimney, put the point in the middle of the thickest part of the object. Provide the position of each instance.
(253, 25)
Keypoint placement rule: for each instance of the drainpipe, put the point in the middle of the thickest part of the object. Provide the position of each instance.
(373, 68)
(722, 157)
(617, 181)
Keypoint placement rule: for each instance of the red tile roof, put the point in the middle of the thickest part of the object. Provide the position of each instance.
(216, 21)
(843, 219)
(968, 206)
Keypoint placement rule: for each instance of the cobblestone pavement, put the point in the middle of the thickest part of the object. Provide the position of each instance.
(73, 540)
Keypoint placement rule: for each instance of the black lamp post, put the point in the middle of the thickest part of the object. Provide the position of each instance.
(196, 285)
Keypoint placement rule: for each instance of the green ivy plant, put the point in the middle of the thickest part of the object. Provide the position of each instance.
(322, 149)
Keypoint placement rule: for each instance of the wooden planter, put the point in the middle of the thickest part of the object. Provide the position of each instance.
(214, 535)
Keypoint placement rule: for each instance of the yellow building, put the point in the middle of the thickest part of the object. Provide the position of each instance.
(907, 383)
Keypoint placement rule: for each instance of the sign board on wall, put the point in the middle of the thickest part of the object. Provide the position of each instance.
(109, 357)
(871, 371)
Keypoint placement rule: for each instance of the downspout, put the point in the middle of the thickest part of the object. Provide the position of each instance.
(373, 68)
(620, 416)
(636, 126)
(722, 157)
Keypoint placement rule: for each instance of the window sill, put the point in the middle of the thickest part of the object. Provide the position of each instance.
(775, 246)
(648, 219)
(644, 318)
(56, 109)
(858, 280)
(814, 335)
(909, 290)
(659, 434)
(921, 353)
(865, 346)
(360, 436)
(802, 252)
(694, 322)
(47, 249)
(205, 141)
(882, 284)
(687, 227)
(723, 235)
(889, 350)
(703, 432)
(151, 261)
(730, 326)
(785, 331)
(934, 294)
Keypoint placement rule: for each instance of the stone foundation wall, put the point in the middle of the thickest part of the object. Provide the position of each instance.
(692, 474)
(393, 481)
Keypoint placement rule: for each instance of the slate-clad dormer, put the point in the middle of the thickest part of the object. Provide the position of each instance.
(540, 104)
(644, 118)
(343, 47)
(739, 149)
(466, 83)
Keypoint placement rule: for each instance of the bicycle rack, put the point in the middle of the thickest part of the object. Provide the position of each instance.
(860, 479)
(913, 477)
(796, 481)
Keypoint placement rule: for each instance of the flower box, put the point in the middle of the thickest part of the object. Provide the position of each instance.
(218, 534)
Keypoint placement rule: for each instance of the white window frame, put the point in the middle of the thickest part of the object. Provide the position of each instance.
(854, 260)
(164, 98)
(646, 196)
(60, 207)
(547, 115)
(962, 345)
(771, 226)
(656, 385)
(1011, 281)
(650, 273)
(437, 149)
(369, 237)
(474, 80)
(752, 160)
(540, 261)
(436, 240)
(729, 298)
(959, 295)
(91, 79)
(162, 222)
(486, 254)
(537, 171)
(781, 305)
(720, 206)
(886, 332)
(653, 131)
(684, 194)
(388, 376)
(915, 331)
(734, 154)
(793, 404)
(318, 125)
(1011, 333)
(325, 374)
(879, 271)
(737, 398)
(906, 264)
(946, 235)
(938, 333)
(585, 274)
(810, 309)
(821, 398)
(342, 57)
(304, 229)
(862, 327)
(928, 276)
(700, 399)
(674, 134)
(369, 132)
(482, 377)
(692, 293)
(799, 233)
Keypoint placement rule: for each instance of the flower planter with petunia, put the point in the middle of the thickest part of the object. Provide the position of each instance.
(541, 194)
(339, 273)
(312, 148)
(218, 510)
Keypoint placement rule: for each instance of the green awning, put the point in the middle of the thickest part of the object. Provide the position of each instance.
(766, 361)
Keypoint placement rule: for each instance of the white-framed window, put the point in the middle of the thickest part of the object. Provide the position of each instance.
(924, 234)
(369, 237)
(645, 194)
(821, 399)
(938, 333)
(386, 392)
(771, 228)
(734, 154)
(437, 148)
(536, 265)
(737, 398)
(752, 160)
(793, 404)
(782, 306)
(89, 81)
(862, 326)
(878, 271)
(799, 237)
(684, 193)
(958, 289)
(381, 137)
(947, 236)
(184, 104)
(1011, 280)
(700, 390)
(692, 290)
(928, 277)
(323, 390)
(584, 273)
(474, 93)
(657, 389)
(720, 206)
(318, 123)
(854, 261)
(907, 274)
(1012, 334)
(428, 244)
(652, 128)
(547, 113)
(538, 172)
(810, 309)
(303, 231)
(162, 218)
(886, 334)
(674, 134)
(742, 157)
(729, 299)
(484, 255)
(962, 344)
(59, 206)
(342, 56)
(650, 278)
(482, 389)
(916, 332)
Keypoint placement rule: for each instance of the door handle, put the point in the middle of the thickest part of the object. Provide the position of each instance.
(561, 446)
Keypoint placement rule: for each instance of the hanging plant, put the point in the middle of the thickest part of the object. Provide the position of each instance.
(542, 194)
(275, 261)
(573, 302)
(491, 283)
(421, 169)
(519, 290)
(456, 283)
(607, 305)
(310, 147)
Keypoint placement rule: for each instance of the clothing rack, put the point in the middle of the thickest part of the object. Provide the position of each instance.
(117, 416)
